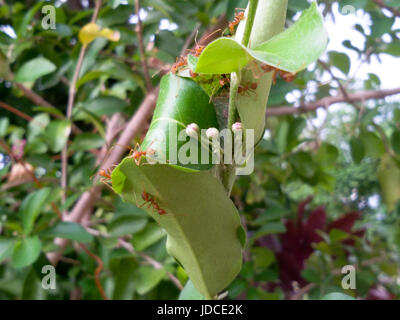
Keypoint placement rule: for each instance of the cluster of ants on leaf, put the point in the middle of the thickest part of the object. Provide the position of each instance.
(136, 155)
(224, 82)
(182, 62)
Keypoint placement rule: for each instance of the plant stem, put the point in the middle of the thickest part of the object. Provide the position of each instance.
(235, 81)
(228, 173)
(249, 21)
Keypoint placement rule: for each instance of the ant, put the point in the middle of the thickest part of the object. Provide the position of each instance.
(247, 87)
(193, 74)
(137, 155)
(197, 50)
(152, 202)
(105, 175)
(286, 76)
(224, 81)
(180, 62)
(239, 16)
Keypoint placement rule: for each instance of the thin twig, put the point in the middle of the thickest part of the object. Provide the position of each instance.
(85, 203)
(328, 69)
(150, 260)
(33, 96)
(139, 31)
(71, 100)
(330, 100)
(301, 292)
(381, 4)
(97, 272)
(15, 111)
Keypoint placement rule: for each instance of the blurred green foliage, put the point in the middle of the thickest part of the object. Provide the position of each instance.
(338, 162)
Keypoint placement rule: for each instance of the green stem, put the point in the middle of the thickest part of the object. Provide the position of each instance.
(249, 22)
(235, 81)
(228, 173)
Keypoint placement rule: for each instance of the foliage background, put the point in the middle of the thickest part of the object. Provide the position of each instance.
(324, 193)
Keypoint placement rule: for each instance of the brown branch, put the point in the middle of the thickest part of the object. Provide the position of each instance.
(88, 198)
(97, 272)
(33, 96)
(381, 4)
(328, 69)
(301, 292)
(139, 31)
(38, 100)
(15, 111)
(328, 101)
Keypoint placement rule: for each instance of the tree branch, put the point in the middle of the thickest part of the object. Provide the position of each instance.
(381, 4)
(71, 100)
(139, 31)
(328, 101)
(88, 198)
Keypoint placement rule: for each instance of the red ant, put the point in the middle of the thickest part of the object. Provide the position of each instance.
(286, 76)
(152, 202)
(105, 175)
(224, 81)
(137, 155)
(180, 62)
(239, 16)
(193, 74)
(247, 87)
(197, 50)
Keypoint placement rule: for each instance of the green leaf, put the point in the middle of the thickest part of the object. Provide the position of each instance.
(6, 246)
(327, 154)
(292, 50)
(68, 230)
(395, 141)
(297, 47)
(269, 228)
(34, 69)
(341, 61)
(262, 257)
(269, 21)
(101, 106)
(374, 147)
(32, 288)
(126, 224)
(151, 234)
(87, 141)
(123, 273)
(4, 67)
(147, 278)
(201, 221)
(4, 122)
(31, 207)
(215, 60)
(357, 150)
(26, 251)
(180, 102)
(303, 164)
(189, 292)
(389, 180)
(57, 133)
(337, 296)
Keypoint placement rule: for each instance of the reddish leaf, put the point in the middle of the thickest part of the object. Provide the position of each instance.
(345, 223)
